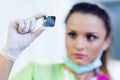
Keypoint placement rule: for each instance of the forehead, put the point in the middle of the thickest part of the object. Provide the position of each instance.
(85, 22)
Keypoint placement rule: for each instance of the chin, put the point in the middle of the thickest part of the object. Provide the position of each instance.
(80, 62)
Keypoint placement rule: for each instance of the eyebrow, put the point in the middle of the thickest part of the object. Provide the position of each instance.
(91, 32)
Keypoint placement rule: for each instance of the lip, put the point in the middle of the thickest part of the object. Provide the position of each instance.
(79, 55)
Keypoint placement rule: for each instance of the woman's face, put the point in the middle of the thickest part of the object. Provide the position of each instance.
(85, 37)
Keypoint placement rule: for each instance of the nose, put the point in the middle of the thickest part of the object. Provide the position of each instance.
(80, 43)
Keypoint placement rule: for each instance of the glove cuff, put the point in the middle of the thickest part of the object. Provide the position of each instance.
(9, 55)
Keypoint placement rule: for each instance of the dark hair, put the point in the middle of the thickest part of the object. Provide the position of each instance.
(90, 8)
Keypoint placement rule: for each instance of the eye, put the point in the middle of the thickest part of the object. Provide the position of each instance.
(91, 37)
(72, 34)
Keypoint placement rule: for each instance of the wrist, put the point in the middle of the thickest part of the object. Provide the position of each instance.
(11, 55)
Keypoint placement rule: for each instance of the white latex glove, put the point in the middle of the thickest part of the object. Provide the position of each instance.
(20, 36)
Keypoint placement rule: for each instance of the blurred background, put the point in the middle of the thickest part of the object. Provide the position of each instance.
(50, 46)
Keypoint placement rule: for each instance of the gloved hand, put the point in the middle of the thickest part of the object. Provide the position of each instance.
(20, 35)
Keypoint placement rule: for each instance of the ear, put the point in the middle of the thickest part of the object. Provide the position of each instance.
(107, 43)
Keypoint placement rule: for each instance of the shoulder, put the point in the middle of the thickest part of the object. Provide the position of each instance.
(33, 70)
(48, 69)
(38, 65)
(44, 67)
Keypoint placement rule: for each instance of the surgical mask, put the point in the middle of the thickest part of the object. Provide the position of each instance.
(81, 69)
(84, 68)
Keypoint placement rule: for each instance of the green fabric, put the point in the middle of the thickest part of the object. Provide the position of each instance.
(34, 71)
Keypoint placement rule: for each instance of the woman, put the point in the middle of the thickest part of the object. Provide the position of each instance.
(87, 43)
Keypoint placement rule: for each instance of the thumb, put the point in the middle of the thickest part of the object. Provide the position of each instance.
(37, 32)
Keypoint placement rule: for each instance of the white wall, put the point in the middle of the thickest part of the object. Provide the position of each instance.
(49, 47)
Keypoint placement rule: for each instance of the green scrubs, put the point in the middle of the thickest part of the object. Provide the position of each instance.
(34, 71)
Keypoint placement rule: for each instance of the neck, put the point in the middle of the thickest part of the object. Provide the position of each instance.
(81, 76)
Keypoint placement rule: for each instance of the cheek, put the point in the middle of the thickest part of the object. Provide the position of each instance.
(94, 50)
(69, 45)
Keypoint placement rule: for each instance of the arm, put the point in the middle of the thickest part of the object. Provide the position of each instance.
(20, 35)
(5, 67)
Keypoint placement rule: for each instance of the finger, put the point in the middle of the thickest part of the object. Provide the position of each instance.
(32, 24)
(15, 24)
(21, 25)
(37, 32)
(26, 25)
(39, 15)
